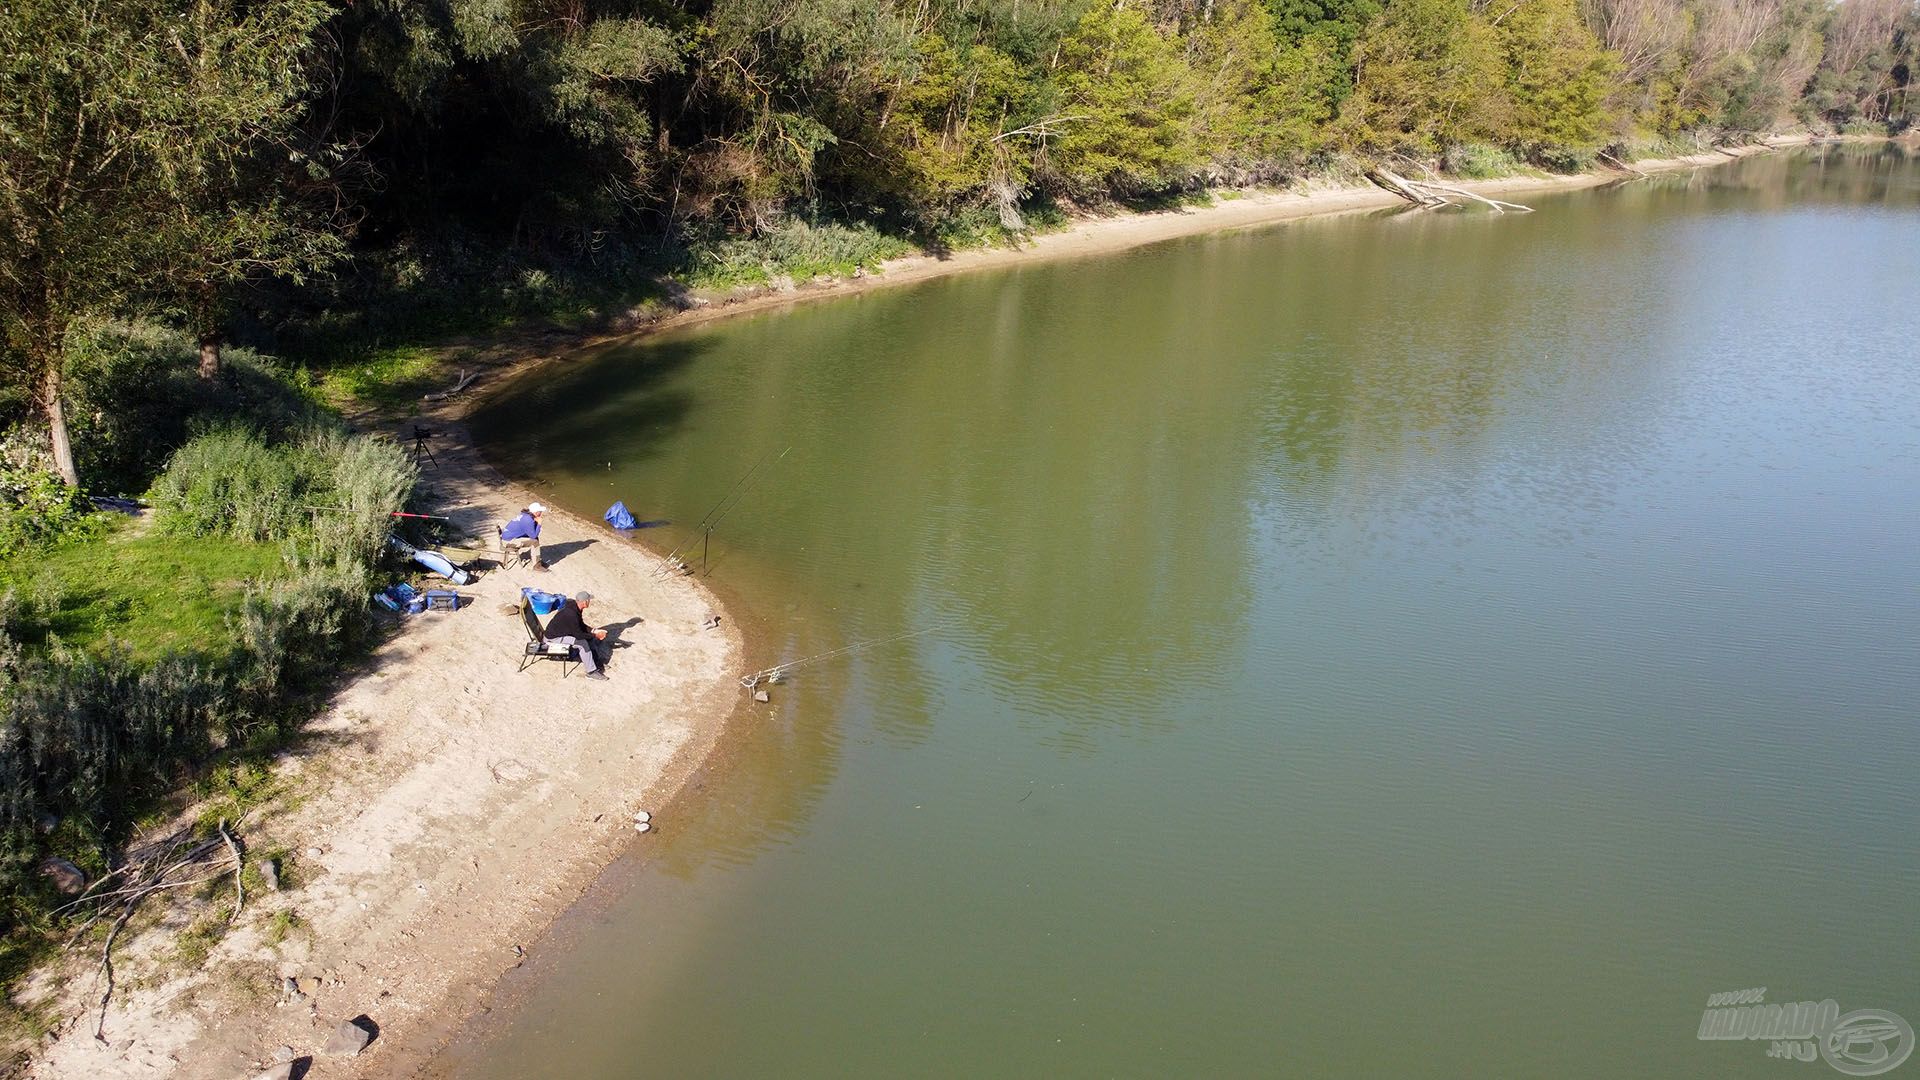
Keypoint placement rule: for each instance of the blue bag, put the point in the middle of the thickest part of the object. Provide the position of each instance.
(619, 516)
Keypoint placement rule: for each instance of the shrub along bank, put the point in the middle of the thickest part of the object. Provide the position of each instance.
(136, 657)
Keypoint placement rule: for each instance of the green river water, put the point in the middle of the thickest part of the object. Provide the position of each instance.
(1392, 645)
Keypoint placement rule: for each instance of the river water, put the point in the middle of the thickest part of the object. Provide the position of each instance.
(1390, 645)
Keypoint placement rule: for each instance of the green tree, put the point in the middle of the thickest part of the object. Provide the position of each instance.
(1427, 74)
(1125, 100)
(1558, 76)
(245, 193)
(111, 183)
(1257, 102)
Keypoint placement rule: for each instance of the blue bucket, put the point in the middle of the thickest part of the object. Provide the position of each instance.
(543, 603)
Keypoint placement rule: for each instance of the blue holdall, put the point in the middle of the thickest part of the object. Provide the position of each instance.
(619, 516)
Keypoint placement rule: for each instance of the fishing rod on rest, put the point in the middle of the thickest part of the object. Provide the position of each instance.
(778, 672)
(704, 529)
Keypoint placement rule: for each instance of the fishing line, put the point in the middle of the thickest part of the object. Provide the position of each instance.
(720, 510)
(780, 671)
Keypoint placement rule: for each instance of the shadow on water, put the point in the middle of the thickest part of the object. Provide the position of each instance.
(577, 415)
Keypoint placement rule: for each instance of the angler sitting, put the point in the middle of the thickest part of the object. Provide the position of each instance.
(522, 534)
(567, 627)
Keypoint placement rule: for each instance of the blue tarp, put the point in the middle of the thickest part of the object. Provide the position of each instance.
(619, 516)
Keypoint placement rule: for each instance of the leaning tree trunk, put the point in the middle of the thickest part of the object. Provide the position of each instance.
(56, 415)
(210, 354)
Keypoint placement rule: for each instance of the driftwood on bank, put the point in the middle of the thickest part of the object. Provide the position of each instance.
(173, 862)
(466, 378)
(1623, 166)
(1429, 195)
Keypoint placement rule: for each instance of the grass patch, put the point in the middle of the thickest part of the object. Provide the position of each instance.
(232, 788)
(150, 592)
(283, 923)
(389, 378)
(194, 944)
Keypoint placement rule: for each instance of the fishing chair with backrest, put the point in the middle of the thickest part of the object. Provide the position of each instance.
(539, 648)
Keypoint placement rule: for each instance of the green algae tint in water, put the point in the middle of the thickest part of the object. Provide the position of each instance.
(1400, 645)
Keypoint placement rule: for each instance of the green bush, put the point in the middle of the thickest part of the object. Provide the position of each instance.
(135, 396)
(329, 493)
(1565, 159)
(89, 738)
(1479, 161)
(36, 507)
(796, 250)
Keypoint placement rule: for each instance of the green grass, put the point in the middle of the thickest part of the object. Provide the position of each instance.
(390, 378)
(150, 592)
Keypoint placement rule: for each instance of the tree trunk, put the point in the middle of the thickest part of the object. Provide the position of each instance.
(210, 354)
(56, 415)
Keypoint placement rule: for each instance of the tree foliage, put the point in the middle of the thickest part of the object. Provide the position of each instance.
(130, 135)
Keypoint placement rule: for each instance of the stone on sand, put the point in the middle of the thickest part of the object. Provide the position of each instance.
(351, 1037)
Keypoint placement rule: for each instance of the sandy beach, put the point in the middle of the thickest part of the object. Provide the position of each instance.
(446, 808)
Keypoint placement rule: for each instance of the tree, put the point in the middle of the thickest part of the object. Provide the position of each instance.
(1259, 103)
(1427, 74)
(101, 107)
(245, 195)
(1558, 76)
(1125, 104)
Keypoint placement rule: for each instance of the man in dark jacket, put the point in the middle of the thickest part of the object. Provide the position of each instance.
(567, 627)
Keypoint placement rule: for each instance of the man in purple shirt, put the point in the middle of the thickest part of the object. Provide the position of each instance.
(522, 534)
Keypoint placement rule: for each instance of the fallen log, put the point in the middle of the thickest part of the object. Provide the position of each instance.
(1429, 195)
(466, 378)
(1404, 188)
(1641, 173)
(1498, 205)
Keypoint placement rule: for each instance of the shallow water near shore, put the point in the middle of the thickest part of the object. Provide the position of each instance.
(1387, 645)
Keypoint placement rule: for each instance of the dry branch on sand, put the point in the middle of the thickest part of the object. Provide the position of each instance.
(157, 867)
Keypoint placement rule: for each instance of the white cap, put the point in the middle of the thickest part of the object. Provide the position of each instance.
(536, 508)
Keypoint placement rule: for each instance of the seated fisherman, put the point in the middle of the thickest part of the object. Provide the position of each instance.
(523, 534)
(568, 628)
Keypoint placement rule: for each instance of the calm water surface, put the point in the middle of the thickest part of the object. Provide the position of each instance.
(1394, 645)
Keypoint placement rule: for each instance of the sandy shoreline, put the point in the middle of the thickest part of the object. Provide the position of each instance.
(449, 808)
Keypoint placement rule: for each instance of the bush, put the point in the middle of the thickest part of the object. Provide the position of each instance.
(1479, 161)
(1565, 159)
(795, 250)
(329, 493)
(37, 508)
(135, 396)
(88, 739)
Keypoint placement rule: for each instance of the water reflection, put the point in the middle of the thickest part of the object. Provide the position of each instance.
(1371, 616)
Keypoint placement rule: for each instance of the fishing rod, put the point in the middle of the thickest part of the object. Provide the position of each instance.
(390, 513)
(720, 510)
(779, 672)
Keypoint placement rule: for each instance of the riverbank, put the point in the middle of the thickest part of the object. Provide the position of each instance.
(1089, 236)
(439, 814)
